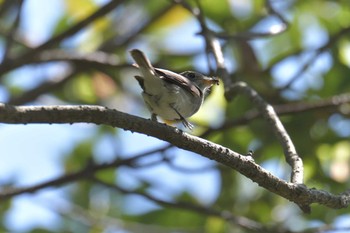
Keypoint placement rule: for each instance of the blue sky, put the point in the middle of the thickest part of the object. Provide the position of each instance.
(39, 156)
(42, 147)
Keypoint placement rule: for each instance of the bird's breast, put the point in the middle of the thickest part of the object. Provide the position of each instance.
(171, 100)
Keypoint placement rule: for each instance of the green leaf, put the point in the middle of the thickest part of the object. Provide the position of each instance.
(80, 156)
(81, 89)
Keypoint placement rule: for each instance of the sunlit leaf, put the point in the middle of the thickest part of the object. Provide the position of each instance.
(81, 88)
(259, 61)
(79, 9)
(215, 225)
(176, 16)
(79, 157)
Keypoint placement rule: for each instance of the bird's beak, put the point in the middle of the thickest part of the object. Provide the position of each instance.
(211, 81)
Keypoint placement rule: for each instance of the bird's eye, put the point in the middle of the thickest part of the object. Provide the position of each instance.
(191, 75)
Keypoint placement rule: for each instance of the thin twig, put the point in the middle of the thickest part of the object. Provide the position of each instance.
(84, 173)
(5, 6)
(213, 47)
(82, 63)
(24, 58)
(93, 219)
(333, 102)
(104, 10)
(96, 60)
(258, 35)
(242, 222)
(123, 41)
(9, 37)
(44, 87)
(272, 11)
(92, 58)
(313, 58)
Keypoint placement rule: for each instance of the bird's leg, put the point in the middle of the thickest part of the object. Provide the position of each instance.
(187, 124)
(183, 120)
(154, 117)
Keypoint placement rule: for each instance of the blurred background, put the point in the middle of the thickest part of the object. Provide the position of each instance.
(296, 54)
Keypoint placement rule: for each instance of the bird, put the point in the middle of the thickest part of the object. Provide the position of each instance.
(170, 95)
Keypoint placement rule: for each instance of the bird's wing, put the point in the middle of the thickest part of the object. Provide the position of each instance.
(179, 80)
(152, 76)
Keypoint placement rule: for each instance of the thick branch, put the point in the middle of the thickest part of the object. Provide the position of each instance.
(213, 47)
(101, 115)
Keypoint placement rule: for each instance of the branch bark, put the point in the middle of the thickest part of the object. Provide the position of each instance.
(276, 125)
(296, 193)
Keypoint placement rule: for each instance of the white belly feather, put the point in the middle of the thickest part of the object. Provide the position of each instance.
(169, 100)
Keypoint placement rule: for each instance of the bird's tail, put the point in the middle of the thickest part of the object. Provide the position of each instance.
(141, 60)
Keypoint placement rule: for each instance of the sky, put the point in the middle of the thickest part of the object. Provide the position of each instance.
(42, 146)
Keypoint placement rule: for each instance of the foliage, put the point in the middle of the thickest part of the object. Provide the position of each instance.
(300, 66)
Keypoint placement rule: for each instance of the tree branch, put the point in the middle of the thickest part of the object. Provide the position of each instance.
(101, 115)
(27, 57)
(271, 117)
(82, 63)
(213, 46)
(313, 58)
(11, 33)
(122, 41)
(242, 222)
(43, 88)
(331, 103)
(89, 170)
(257, 35)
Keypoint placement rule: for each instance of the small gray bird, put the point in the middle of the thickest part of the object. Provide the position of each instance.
(170, 95)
